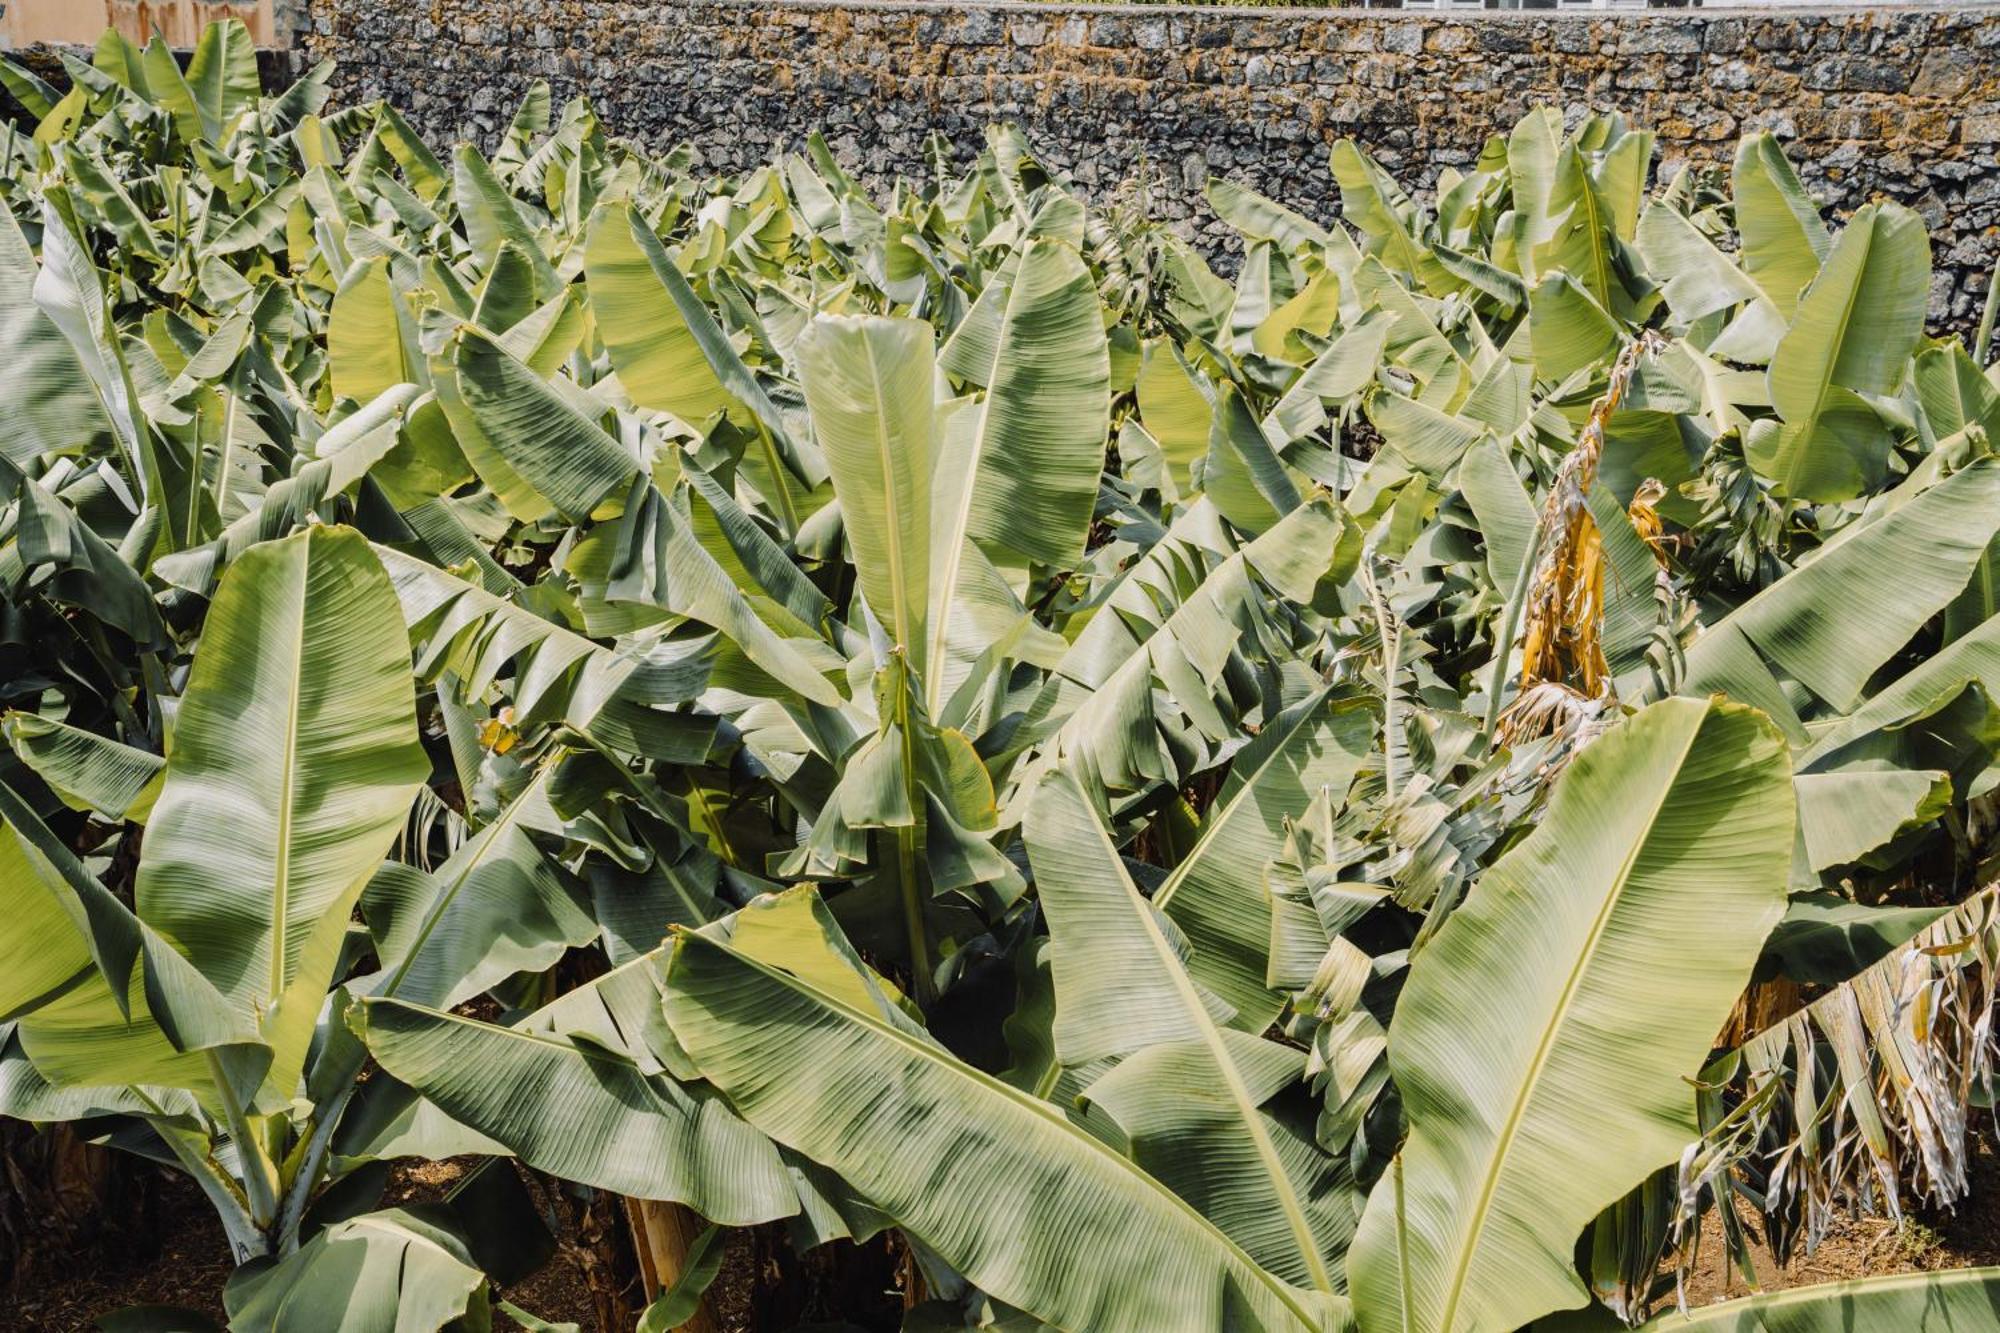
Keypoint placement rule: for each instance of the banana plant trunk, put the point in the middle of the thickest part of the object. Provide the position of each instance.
(662, 1234)
(59, 1194)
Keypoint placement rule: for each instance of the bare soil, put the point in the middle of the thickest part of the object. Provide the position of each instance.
(187, 1268)
(191, 1261)
(1930, 1239)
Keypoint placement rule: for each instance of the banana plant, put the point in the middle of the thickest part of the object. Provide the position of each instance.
(201, 1009)
(934, 711)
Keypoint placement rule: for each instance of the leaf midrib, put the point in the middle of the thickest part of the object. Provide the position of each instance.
(956, 534)
(1041, 1109)
(899, 592)
(511, 1033)
(1723, 1313)
(1596, 233)
(1232, 1077)
(1795, 463)
(281, 886)
(1510, 1128)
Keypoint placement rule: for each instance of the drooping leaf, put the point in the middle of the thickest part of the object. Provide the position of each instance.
(1835, 620)
(88, 771)
(1067, 1220)
(1123, 989)
(1783, 239)
(554, 455)
(659, 358)
(1843, 815)
(1959, 1301)
(497, 906)
(582, 1110)
(1567, 1001)
(399, 1269)
(56, 408)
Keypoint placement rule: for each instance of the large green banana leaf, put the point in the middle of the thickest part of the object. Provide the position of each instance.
(659, 561)
(1695, 276)
(1261, 219)
(676, 357)
(583, 1110)
(493, 218)
(658, 359)
(83, 570)
(1783, 240)
(370, 336)
(1560, 217)
(26, 1095)
(1175, 411)
(1545, 1038)
(1337, 376)
(1389, 223)
(70, 294)
(868, 385)
(1853, 335)
(55, 406)
(85, 979)
(222, 76)
(1064, 1228)
(1844, 815)
(1953, 392)
(1242, 472)
(497, 906)
(1123, 988)
(1835, 620)
(294, 762)
(46, 954)
(1506, 512)
(593, 1087)
(84, 1038)
(1918, 692)
(1017, 472)
(1567, 327)
(85, 770)
(397, 1270)
(547, 445)
(427, 176)
(344, 455)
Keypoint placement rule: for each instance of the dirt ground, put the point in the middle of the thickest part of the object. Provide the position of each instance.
(1862, 1246)
(192, 1264)
(188, 1269)
(192, 1261)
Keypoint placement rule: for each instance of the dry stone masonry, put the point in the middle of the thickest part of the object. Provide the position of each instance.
(1902, 102)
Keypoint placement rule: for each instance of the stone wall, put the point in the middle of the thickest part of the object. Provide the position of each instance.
(1898, 101)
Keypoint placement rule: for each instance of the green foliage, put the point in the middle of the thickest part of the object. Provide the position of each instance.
(1202, 804)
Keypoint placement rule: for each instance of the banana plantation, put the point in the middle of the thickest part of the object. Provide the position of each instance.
(1432, 780)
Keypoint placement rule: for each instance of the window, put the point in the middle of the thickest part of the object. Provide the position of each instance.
(1549, 4)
